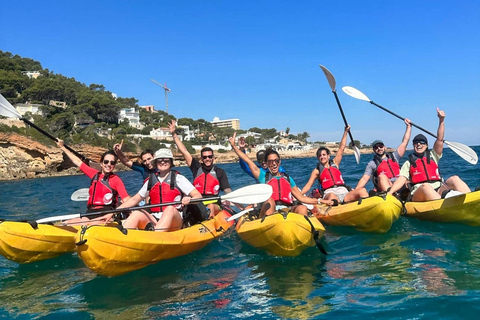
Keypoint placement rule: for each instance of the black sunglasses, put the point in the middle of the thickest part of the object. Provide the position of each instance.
(277, 161)
(112, 162)
(421, 142)
(208, 157)
(166, 160)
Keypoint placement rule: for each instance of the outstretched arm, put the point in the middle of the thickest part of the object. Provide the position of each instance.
(363, 181)
(400, 182)
(253, 167)
(341, 148)
(300, 197)
(117, 148)
(76, 160)
(181, 147)
(243, 164)
(406, 137)
(438, 146)
(313, 177)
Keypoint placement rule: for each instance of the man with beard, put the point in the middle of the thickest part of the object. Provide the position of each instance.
(208, 179)
(421, 169)
(384, 168)
(145, 167)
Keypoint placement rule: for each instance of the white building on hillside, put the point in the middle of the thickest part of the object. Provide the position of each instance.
(23, 108)
(32, 74)
(229, 123)
(132, 115)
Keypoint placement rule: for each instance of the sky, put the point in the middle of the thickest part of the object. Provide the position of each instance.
(258, 61)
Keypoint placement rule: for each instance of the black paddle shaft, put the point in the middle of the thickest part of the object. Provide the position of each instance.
(396, 115)
(81, 156)
(343, 115)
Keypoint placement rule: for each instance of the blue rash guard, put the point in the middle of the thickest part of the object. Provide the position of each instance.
(246, 168)
(145, 172)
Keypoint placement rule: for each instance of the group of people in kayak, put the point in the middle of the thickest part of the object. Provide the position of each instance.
(418, 176)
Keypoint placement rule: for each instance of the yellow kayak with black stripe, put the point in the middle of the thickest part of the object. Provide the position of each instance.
(280, 234)
(112, 251)
(26, 242)
(463, 208)
(374, 214)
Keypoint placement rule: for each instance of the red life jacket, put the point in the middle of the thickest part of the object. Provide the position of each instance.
(423, 169)
(330, 177)
(102, 195)
(389, 167)
(163, 192)
(282, 190)
(207, 182)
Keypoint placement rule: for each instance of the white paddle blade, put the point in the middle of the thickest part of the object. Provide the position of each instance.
(80, 195)
(357, 94)
(7, 110)
(252, 194)
(59, 218)
(465, 152)
(357, 154)
(330, 77)
(239, 214)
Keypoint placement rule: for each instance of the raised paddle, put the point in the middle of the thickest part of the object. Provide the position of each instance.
(332, 83)
(80, 195)
(252, 194)
(7, 110)
(465, 152)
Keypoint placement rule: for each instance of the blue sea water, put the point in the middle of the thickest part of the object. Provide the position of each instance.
(418, 270)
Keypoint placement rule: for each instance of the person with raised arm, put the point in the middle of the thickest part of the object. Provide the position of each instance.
(384, 168)
(284, 187)
(208, 179)
(145, 167)
(163, 186)
(105, 186)
(421, 169)
(328, 174)
(262, 165)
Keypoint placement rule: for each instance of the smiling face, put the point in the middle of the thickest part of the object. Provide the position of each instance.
(207, 158)
(108, 163)
(147, 160)
(419, 146)
(163, 164)
(324, 157)
(379, 149)
(273, 163)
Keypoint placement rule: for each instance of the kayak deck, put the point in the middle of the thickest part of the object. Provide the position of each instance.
(375, 214)
(463, 208)
(280, 234)
(109, 252)
(23, 243)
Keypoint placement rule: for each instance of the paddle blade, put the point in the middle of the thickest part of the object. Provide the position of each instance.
(465, 152)
(357, 94)
(7, 110)
(330, 77)
(252, 194)
(239, 214)
(80, 195)
(357, 154)
(59, 218)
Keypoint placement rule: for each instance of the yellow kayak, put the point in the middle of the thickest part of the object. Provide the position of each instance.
(464, 208)
(25, 243)
(110, 252)
(374, 214)
(280, 234)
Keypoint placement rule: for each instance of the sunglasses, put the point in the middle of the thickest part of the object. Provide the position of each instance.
(378, 146)
(276, 161)
(419, 142)
(208, 157)
(112, 162)
(165, 160)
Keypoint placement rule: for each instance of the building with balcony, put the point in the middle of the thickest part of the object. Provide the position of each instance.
(132, 115)
(229, 123)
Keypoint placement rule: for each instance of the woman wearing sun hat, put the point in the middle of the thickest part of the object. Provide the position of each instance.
(163, 186)
(421, 169)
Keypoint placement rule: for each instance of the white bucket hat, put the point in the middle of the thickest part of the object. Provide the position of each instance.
(163, 153)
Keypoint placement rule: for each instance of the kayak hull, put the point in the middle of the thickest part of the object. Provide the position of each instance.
(464, 208)
(23, 243)
(374, 214)
(109, 252)
(280, 234)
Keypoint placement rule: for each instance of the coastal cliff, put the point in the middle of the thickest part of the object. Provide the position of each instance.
(24, 158)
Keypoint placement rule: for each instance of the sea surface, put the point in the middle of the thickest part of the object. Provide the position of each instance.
(418, 270)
